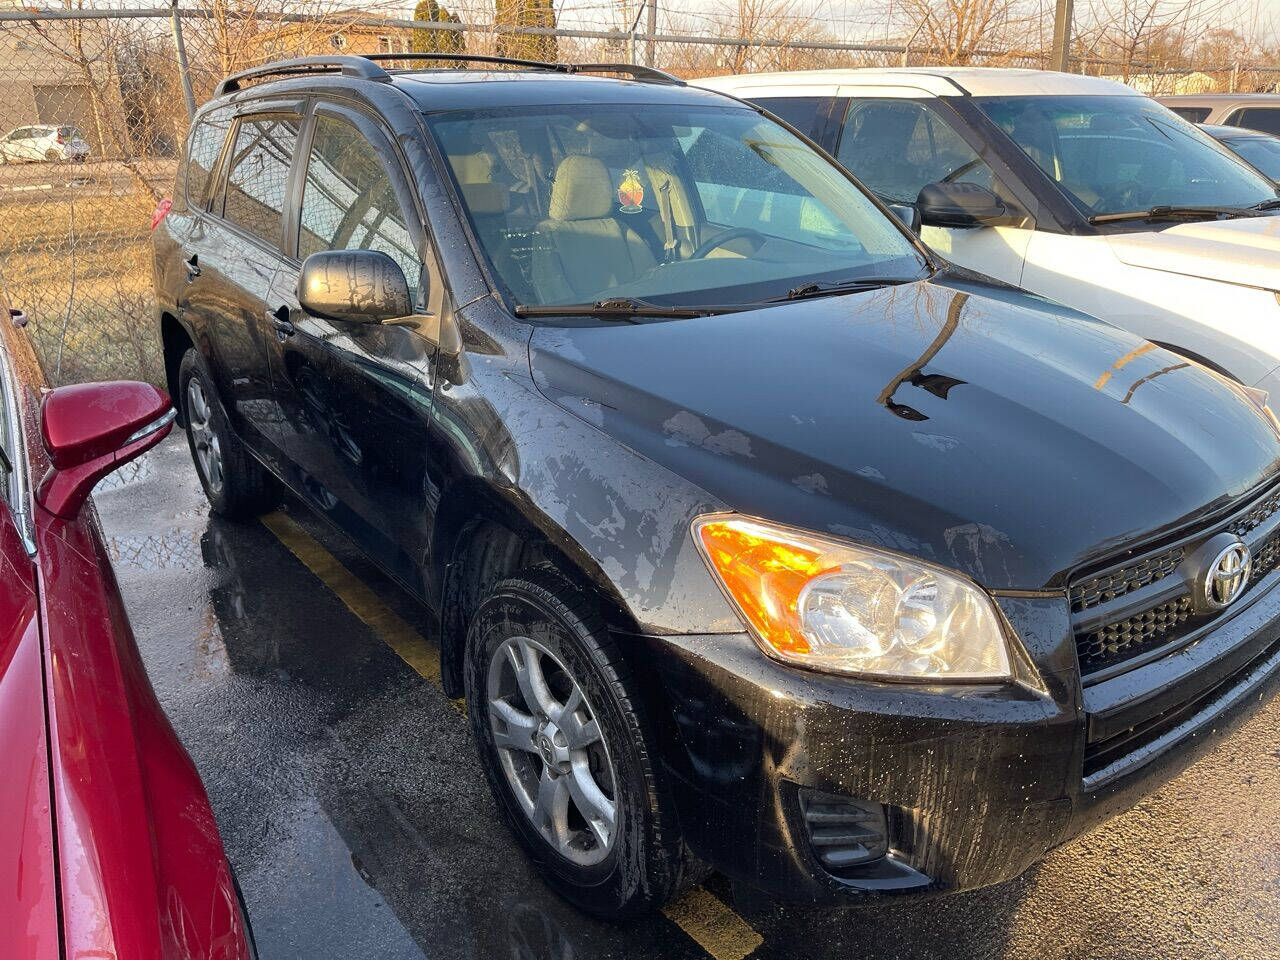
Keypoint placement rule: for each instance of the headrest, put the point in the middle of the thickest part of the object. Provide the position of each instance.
(486, 198)
(472, 167)
(581, 190)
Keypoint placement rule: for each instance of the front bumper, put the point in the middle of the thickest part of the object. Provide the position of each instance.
(978, 782)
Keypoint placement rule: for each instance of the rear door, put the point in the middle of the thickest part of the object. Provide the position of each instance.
(235, 258)
(357, 397)
(897, 140)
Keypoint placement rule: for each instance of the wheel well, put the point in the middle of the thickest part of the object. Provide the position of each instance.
(176, 342)
(486, 543)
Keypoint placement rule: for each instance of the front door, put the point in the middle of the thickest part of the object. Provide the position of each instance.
(358, 396)
(897, 141)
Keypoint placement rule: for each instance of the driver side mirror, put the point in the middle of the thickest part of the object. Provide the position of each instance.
(90, 429)
(960, 205)
(353, 286)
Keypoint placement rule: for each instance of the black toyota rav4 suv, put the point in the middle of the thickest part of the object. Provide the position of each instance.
(759, 537)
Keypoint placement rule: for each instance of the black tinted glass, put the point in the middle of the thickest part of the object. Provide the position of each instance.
(206, 144)
(349, 201)
(1192, 114)
(258, 175)
(801, 112)
(1266, 119)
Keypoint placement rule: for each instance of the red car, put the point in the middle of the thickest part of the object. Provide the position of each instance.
(108, 845)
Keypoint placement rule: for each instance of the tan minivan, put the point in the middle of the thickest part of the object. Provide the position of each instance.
(1256, 111)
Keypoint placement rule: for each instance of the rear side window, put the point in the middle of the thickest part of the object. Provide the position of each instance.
(258, 175)
(349, 201)
(1266, 119)
(1192, 114)
(801, 112)
(202, 154)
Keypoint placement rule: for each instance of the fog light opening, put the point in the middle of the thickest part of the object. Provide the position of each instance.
(843, 832)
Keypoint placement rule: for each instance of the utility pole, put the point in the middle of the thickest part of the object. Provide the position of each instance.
(1061, 58)
(652, 30)
(184, 71)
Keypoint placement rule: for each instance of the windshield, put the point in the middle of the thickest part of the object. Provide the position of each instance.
(1121, 154)
(1262, 152)
(673, 205)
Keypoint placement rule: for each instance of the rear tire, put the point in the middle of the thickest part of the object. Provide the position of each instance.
(615, 851)
(238, 487)
(52, 156)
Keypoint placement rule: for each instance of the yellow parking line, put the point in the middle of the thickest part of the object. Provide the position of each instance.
(702, 915)
(712, 925)
(412, 647)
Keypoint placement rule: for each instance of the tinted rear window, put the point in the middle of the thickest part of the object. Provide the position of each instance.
(1192, 114)
(258, 175)
(1266, 119)
(206, 144)
(801, 112)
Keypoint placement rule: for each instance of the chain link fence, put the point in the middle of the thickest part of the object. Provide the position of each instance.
(93, 115)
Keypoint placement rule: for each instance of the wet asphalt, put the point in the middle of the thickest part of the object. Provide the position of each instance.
(356, 817)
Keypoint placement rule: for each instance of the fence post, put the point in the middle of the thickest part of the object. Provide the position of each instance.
(184, 70)
(653, 29)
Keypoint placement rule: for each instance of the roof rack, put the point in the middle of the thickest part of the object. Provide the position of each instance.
(630, 69)
(351, 66)
(366, 68)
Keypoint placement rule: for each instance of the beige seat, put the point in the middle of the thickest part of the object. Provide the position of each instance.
(585, 250)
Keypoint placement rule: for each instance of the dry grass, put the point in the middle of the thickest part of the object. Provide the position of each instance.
(77, 260)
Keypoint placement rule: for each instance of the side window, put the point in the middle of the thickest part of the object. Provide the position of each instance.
(202, 154)
(801, 112)
(1192, 114)
(349, 201)
(258, 175)
(897, 147)
(741, 188)
(1266, 119)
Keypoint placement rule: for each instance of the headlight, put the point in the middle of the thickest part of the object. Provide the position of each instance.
(820, 603)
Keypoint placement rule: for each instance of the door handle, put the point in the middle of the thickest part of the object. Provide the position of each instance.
(192, 263)
(280, 320)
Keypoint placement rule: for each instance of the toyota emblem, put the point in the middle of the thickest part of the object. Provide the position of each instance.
(1226, 575)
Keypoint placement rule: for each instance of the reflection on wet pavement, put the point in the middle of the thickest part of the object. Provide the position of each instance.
(354, 812)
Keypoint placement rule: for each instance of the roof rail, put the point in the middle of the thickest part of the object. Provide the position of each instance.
(473, 58)
(366, 68)
(351, 66)
(633, 70)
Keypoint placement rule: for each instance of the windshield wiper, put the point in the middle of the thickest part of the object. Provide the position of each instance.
(1166, 212)
(1271, 204)
(852, 285)
(618, 307)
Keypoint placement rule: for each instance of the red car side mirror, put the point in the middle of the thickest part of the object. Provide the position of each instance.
(90, 429)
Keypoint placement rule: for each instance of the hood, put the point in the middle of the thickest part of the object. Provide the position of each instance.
(973, 426)
(1244, 251)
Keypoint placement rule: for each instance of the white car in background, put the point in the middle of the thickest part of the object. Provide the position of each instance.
(1072, 187)
(43, 142)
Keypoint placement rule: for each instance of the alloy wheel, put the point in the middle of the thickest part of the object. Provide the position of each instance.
(552, 750)
(203, 437)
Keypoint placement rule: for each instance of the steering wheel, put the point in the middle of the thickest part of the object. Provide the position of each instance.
(723, 237)
(1124, 195)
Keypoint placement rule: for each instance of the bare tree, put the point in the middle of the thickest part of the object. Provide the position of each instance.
(1140, 35)
(958, 31)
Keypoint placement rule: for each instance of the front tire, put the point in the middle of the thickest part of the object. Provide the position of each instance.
(238, 487)
(567, 749)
